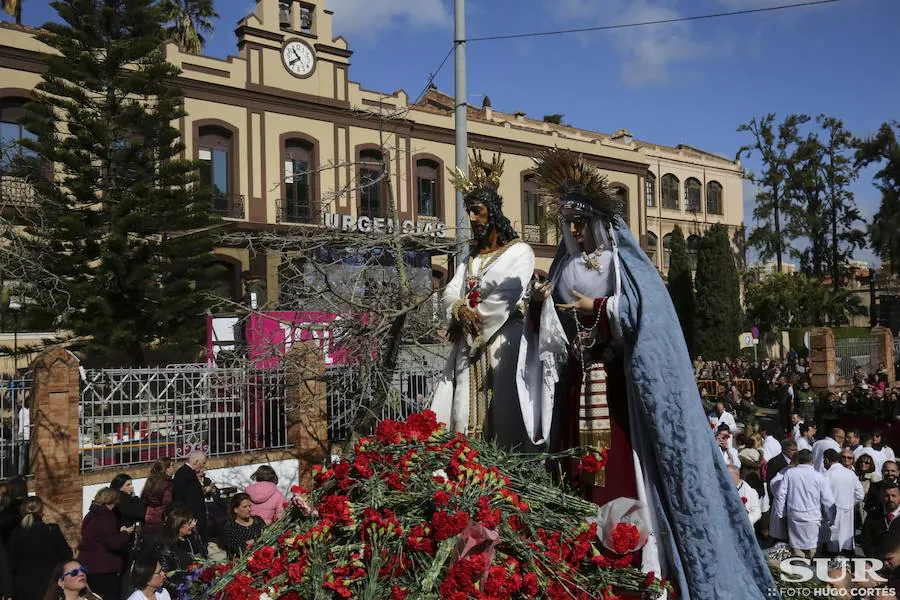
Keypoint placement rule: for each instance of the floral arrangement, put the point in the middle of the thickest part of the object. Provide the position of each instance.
(418, 513)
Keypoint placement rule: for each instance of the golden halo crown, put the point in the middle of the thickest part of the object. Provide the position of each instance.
(563, 177)
(482, 174)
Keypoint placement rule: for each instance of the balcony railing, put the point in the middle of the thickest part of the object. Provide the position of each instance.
(229, 206)
(299, 212)
(16, 192)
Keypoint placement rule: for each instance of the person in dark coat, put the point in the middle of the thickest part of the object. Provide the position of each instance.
(181, 545)
(157, 497)
(11, 508)
(130, 508)
(187, 490)
(35, 548)
(7, 585)
(104, 545)
(877, 528)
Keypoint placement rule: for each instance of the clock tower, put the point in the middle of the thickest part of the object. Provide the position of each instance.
(289, 45)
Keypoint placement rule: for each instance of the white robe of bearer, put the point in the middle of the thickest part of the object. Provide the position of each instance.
(752, 504)
(847, 491)
(504, 280)
(819, 449)
(804, 498)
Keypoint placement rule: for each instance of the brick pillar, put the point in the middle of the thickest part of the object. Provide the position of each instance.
(822, 360)
(306, 409)
(54, 439)
(885, 341)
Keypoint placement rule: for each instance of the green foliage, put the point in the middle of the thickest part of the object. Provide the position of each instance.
(681, 287)
(776, 147)
(187, 21)
(123, 224)
(556, 119)
(823, 210)
(719, 319)
(787, 300)
(884, 150)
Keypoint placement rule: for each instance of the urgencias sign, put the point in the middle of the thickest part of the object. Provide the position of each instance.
(366, 224)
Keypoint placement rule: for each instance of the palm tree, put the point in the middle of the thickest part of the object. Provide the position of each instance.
(14, 9)
(187, 21)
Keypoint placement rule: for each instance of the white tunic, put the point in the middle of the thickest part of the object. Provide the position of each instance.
(803, 444)
(819, 449)
(847, 491)
(804, 498)
(777, 528)
(503, 285)
(771, 448)
(752, 503)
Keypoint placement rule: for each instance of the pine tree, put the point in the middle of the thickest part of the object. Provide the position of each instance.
(681, 287)
(719, 319)
(124, 224)
(883, 149)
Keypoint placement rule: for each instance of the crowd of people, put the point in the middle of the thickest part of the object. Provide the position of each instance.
(807, 479)
(134, 547)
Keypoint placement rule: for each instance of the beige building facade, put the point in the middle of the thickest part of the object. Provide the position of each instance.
(287, 139)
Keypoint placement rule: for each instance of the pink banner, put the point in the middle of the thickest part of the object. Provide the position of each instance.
(271, 335)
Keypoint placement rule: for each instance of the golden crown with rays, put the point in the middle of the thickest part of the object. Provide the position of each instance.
(567, 181)
(482, 174)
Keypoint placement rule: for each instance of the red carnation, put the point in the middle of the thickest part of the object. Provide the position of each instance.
(591, 464)
(625, 538)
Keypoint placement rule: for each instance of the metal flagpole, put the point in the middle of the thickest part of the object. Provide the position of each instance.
(461, 109)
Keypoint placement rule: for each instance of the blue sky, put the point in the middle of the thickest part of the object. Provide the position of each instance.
(690, 83)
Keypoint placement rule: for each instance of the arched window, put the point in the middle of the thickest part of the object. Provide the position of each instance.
(669, 185)
(652, 243)
(622, 193)
(215, 153)
(372, 186)
(693, 247)
(650, 190)
(667, 250)
(428, 188)
(714, 204)
(12, 131)
(692, 195)
(300, 204)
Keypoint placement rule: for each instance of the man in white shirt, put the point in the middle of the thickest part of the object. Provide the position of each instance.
(749, 496)
(796, 421)
(722, 416)
(847, 491)
(834, 441)
(729, 454)
(24, 433)
(771, 446)
(804, 498)
(807, 437)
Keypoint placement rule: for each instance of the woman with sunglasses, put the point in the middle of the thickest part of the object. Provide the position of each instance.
(69, 582)
(147, 577)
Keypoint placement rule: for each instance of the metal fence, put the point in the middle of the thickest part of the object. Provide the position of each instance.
(851, 353)
(348, 389)
(15, 425)
(130, 416)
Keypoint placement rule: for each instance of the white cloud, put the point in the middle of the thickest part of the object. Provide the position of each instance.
(366, 18)
(648, 53)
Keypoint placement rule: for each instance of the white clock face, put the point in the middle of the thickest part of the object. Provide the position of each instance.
(298, 58)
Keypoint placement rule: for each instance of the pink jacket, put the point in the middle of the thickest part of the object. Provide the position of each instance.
(268, 502)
